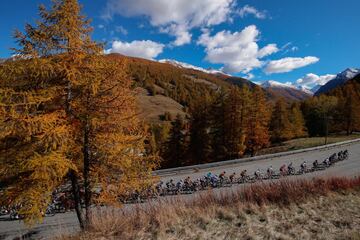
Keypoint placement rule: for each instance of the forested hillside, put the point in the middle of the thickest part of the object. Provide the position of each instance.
(335, 111)
(170, 86)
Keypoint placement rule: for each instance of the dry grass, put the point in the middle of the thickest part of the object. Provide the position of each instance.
(152, 107)
(318, 209)
(302, 143)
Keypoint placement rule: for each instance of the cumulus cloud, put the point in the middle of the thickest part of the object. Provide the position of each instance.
(249, 10)
(288, 64)
(310, 80)
(181, 33)
(237, 51)
(143, 49)
(267, 50)
(176, 17)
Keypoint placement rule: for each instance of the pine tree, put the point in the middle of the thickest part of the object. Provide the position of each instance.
(77, 116)
(258, 129)
(318, 113)
(200, 124)
(175, 150)
(297, 121)
(219, 148)
(280, 126)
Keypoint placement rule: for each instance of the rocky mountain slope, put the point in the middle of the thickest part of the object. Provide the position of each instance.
(288, 92)
(339, 80)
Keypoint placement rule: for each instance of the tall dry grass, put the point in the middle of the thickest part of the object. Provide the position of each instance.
(161, 218)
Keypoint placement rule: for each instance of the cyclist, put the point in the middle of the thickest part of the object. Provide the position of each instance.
(327, 162)
(283, 169)
(232, 177)
(303, 167)
(315, 164)
(270, 171)
(291, 169)
(243, 173)
(222, 175)
(257, 174)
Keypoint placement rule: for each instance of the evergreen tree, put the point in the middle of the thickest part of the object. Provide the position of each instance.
(219, 149)
(175, 146)
(200, 124)
(318, 113)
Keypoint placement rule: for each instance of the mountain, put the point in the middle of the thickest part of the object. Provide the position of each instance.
(316, 88)
(339, 80)
(306, 90)
(217, 73)
(277, 89)
(287, 91)
(172, 87)
(189, 66)
(169, 86)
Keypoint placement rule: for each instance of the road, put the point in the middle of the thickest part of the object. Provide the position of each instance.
(67, 222)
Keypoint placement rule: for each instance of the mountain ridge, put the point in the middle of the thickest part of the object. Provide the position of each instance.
(340, 79)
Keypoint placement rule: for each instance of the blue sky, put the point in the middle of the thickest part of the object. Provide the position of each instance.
(280, 40)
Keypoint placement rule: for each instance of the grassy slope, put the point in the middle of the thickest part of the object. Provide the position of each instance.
(319, 209)
(302, 143)
(152, 107)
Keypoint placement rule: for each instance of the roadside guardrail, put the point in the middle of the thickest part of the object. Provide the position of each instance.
(194, 168)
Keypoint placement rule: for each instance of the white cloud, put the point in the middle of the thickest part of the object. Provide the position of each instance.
(267, 50)
(237, 51)
(176, 17)
(249, 10)
(288, 64)
(310, 80)
(181, 33)
(144, 49)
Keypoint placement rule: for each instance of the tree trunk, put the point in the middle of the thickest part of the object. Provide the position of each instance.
(87, 186)
(77, 200)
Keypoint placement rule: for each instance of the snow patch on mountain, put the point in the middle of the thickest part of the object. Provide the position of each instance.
(305, 90)
(189, 66)
(339, 80)
(275, 84)
(349, 73)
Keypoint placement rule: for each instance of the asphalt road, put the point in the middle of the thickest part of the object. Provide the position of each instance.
(67, 222)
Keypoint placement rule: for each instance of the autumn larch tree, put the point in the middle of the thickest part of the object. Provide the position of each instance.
(349, 105)
(280, 126)
(297, 121)
(67, 112)
(258, 135)
(237, 112)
